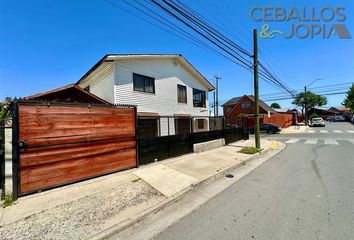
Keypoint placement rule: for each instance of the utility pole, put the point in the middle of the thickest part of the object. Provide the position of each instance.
(256, 92)
(306, 119)
(217, 94)
(214, 103)
(305, 100)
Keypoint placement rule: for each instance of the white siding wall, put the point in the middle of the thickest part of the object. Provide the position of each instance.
(101, 82)
(167, 76)
(164, 101)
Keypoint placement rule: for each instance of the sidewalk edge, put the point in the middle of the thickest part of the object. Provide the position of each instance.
(139, 217)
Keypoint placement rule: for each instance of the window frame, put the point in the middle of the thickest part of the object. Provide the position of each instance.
(178, 95)
(202, 100)
(145, 79)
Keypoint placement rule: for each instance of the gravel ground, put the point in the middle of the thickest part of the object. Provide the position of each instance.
(84, 217)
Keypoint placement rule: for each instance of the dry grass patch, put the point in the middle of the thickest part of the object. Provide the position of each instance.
(249, 150)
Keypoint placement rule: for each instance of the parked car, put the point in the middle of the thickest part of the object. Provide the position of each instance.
(348, 117)
(338, 118)
(317, 122)
(267, 128)
(330, 119)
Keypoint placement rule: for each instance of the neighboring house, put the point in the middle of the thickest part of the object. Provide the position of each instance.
(322, 112)
(69, 93)
(339, 110)
(159, 85)
(296, 111)
(244, 106)
(282, 110)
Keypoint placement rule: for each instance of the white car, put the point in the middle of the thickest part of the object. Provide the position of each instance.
(318, 122)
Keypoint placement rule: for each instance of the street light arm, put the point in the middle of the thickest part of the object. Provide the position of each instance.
(314, 81)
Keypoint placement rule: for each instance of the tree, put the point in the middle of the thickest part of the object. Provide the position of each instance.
(349, 99)
(5, 114)
(309, 99)
(275, 105)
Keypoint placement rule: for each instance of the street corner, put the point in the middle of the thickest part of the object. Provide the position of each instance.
(294, 130)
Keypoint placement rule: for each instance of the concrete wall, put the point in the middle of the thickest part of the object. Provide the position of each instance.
(206, 146)
(8, 159)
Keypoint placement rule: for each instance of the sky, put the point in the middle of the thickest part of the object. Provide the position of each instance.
(49, 44)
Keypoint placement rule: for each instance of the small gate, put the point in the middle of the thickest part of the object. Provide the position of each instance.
(55, 143)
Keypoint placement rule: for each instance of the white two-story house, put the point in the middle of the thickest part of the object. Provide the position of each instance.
(170, 94)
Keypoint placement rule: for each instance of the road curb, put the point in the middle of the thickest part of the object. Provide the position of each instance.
(139, 217)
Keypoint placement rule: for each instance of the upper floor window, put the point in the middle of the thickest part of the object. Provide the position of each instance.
(199, 98)
(143, 83)
(228, 109)
(246, 105)
(182, 93)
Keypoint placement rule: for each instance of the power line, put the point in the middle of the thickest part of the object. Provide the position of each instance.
(195, 22)
(218, 39)
(204, 35)
(205, 47)
(288, 98)
(266, 73)
(339, 86)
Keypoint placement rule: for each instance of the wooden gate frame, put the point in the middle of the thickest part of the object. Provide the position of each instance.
(16, 145)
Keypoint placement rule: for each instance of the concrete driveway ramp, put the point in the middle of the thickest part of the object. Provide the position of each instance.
(165, 179)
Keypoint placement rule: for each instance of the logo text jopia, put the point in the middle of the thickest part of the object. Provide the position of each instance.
(304, 22)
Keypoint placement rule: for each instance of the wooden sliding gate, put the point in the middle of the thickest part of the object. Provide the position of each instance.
(55, 143)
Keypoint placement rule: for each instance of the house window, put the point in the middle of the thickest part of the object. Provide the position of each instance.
(228, 109)
(182, 93)
(143, 83)
(182, 125)
(87, 88)
(198, 98)
(246, 105)
(148, 127)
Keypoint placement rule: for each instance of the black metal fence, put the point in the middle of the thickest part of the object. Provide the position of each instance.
(157, 148)
(158, 126)
(2, 158)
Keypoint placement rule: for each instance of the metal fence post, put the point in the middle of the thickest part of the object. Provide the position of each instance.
(168, 126)
(15, 151)
(137, 137)
(2, 158)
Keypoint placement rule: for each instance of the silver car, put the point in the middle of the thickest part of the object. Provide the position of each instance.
(318, 122)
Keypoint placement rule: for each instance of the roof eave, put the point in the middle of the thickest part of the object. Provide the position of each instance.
(110, 57)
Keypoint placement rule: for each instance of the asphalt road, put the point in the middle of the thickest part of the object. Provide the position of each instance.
(305, 192)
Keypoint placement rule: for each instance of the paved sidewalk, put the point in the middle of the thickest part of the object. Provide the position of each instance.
(80, 211)
(294, 129)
